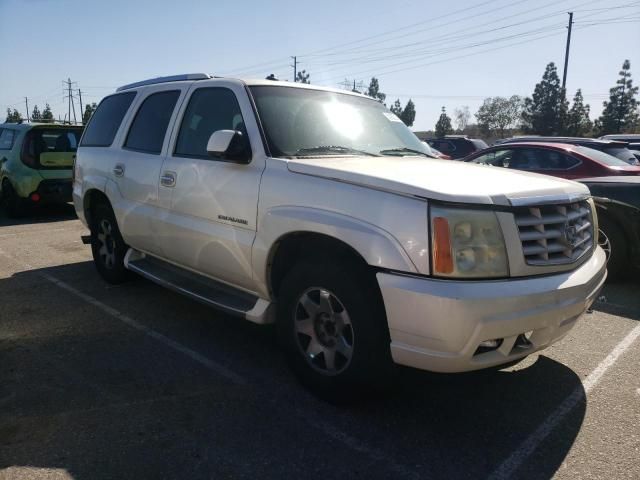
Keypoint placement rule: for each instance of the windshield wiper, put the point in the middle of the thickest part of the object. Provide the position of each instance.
(391, 151)
(333, 149)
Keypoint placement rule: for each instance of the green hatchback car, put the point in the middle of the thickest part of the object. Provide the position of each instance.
(36, 164)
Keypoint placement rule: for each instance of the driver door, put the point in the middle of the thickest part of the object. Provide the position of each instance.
(210, 223)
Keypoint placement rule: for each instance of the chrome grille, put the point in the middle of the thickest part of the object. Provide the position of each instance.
(555, 234)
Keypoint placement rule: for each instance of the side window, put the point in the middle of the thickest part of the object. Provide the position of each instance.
(106, 120)
(497, 158)
(149, 126)
(445, 146)
(527, 159)
(209, 110)
(557, 161)
(6, 138)
(542, 159)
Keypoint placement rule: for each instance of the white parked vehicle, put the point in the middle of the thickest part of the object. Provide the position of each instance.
(319, 210)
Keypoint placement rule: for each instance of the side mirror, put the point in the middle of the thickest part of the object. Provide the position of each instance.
(230, 145)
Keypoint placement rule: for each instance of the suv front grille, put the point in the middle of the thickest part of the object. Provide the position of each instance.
(555, 234)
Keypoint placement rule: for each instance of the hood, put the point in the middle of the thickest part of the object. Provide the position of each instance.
(444, 180)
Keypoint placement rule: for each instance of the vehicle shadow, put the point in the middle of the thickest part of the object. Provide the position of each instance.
(41, 214)
(84, 393)
(619, 299)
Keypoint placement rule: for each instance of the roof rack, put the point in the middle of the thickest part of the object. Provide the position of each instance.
(170, 78)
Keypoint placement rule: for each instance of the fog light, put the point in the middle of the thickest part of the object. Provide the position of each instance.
(35, 197)
(488, 346)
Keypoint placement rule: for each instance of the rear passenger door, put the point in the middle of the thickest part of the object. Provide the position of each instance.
(137, 170)
(211, 223)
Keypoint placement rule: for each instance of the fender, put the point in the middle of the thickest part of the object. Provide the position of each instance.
(377, 246)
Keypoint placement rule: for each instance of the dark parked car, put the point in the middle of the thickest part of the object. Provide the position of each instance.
(457, 146)
(623, 137)
(618, 149)
(557, 159)
(618, 204)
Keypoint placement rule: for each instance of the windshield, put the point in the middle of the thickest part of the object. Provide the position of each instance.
(302, 122)
(601, 157)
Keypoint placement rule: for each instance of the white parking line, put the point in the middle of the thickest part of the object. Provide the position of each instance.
(327, 429)
(508, 468)
(201, 359)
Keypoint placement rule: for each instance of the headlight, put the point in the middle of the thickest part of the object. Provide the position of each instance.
(467, 243)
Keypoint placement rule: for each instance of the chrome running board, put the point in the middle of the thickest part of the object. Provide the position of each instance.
(200, 288)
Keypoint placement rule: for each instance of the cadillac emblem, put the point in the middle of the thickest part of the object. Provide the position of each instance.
(570, 235)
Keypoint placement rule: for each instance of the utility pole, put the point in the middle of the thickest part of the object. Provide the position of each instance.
(295, 68)
(26, 103)
(81, 111)
(71, 103)
(69, 87)
(566, 54)
(352, 85)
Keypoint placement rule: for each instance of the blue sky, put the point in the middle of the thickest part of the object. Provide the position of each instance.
(437, 53)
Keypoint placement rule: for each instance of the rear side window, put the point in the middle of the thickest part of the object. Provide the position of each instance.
(601, 157)
(209, 110)
(6, 138)
(150, 124)
(623, 154)
(106, 120)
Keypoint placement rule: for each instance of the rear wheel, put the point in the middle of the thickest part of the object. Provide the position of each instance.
(332, 326)
(13, 205)
(107, 245)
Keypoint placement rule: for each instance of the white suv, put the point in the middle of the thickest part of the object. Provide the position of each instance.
(319, 210)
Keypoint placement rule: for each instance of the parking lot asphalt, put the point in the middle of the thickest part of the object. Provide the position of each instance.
(135, 381)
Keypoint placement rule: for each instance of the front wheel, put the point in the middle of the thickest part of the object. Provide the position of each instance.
(332, 325)
(613, 241)
(107, 245)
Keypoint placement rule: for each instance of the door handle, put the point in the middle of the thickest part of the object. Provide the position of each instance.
(168, 179)
(118, 170)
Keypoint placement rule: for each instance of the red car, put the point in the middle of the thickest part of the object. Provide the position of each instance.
(557, 159)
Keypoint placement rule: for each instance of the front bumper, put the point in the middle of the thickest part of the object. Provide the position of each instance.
(438, 325)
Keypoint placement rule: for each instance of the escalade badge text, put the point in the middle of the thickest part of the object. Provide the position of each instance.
(233, 219)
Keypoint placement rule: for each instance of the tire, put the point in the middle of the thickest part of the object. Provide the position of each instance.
(13, 205)
(332, 327)
(107, 245)
(618, 266)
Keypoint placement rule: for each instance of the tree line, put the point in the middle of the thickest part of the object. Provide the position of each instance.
(46, 115)
(548, 112)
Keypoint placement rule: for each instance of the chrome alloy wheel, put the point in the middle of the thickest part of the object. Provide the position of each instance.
(605, 243)
(323, 331)
(106, 244)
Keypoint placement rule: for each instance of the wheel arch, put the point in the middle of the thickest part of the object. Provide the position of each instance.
(287, 226)
(295, 246)
(90, 200)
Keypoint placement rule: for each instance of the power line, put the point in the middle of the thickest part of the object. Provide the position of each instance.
(465, 47)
